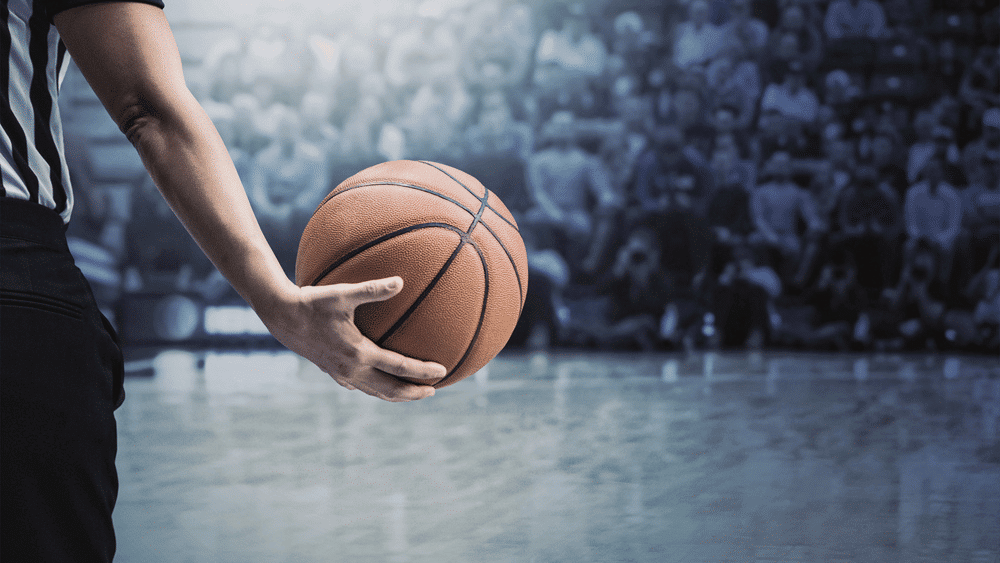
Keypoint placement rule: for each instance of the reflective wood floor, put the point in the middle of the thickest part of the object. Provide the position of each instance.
(565, 458)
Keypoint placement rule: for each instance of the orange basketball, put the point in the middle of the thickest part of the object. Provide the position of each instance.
(453, 242)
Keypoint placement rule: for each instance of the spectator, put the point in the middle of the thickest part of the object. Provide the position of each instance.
(981, 157)
(566, 61)
(981, 199)
(247, 134)
(689, 105)
(668, 166)
(697, 40)
(562, 180)
(939, 144)
(951, 60)
(840, 91)
(912, 311)
(497, 151)
(276, 54)
(629, 105)
(869, 214)
(933, 214)
(777, 206)
(840, 306)
(743, 299)
(496, 133)
(980, 87)
(984, 292)
(435, 117)
(314, 112)
(735, 81)
(789, 112)
(748, 34)
(727, 165)
(363, 125)
(497, 46)
(422, 54)
(636, 291)
(833, 172)
(728, 214)
(795, 38)
(288, 180)
(620, 150)
(633, 47)
(791, 99)
(848, 19)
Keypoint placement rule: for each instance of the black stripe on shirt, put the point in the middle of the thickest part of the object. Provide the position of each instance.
(41, 99)
(18, 141)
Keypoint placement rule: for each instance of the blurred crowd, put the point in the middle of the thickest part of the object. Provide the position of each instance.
(701, 173)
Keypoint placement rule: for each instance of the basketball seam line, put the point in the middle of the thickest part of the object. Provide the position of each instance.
(423, 295)
(484, 205)
(380, 240)
(401, 185)
(482, 199)
(482, 315)
(517, 274)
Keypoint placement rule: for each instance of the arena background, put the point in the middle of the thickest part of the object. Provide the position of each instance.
(755, 331)
(776, 211)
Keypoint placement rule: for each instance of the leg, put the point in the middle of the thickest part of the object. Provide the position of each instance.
(61, 374)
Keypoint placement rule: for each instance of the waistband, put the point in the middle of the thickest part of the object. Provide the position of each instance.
(26, 220)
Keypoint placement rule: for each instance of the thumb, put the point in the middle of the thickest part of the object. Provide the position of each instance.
(355, 294)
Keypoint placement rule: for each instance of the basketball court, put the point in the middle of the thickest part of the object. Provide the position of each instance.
(553, 457)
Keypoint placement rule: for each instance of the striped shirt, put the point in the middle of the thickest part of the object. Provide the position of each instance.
(33, 160)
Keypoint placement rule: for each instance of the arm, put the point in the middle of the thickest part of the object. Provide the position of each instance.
(954, 221)
(128, 54)
(536, 187)
(759, 220)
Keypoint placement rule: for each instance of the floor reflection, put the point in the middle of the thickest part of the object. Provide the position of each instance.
(576, 458)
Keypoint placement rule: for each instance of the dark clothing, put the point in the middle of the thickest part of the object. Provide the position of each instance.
(62, 372)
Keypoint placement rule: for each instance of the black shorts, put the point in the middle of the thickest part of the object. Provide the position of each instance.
(61, 375)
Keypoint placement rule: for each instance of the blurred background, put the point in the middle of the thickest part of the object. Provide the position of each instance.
(687, 175)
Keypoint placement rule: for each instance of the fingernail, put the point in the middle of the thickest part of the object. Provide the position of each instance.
(393, 283)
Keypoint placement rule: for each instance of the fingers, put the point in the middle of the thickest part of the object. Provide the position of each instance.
(355, 294)
(401, 366)
(387, 387)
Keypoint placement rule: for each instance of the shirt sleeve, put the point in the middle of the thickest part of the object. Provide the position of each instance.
(53, 7)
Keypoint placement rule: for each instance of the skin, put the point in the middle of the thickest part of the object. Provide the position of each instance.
(128, 55)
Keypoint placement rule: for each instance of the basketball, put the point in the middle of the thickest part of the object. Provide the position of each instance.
(454, 243)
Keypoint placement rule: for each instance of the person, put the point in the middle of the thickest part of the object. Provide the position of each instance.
(744, 30)
(286, 182)
(62, 368)
(933, 214)
(795, 37)
(777, 206)
(560, 180)
(568, 60)
(697, 40)
(868, 216)
(848, 19)
(635, 289)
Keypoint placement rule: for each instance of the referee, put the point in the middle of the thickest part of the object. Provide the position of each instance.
(61, 368)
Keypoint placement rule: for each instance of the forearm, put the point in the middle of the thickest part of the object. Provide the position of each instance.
(128, 55)
(190, 165)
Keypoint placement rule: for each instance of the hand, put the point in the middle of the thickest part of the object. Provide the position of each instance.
(317, 322)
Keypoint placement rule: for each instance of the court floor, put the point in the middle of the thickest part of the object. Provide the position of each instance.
(759, 457)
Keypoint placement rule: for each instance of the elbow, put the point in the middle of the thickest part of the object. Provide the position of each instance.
(135, 117)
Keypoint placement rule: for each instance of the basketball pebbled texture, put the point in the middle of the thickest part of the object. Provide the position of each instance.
(454, 243)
